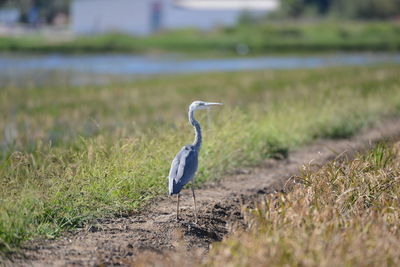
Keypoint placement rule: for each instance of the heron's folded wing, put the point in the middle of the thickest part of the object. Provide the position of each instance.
(178, 164)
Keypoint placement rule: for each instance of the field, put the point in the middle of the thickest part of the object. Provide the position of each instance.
(345, 214)
(72, 154)
(267, 37)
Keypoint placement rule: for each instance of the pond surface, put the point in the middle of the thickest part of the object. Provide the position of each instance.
(134, 65)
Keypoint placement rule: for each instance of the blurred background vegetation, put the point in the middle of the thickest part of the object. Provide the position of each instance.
(48, 9)
(354, 9)
(296, 26)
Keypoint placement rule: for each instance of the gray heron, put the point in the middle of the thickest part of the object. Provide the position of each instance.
(185, 163)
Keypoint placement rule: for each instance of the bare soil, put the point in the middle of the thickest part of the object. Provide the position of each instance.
(119, 241)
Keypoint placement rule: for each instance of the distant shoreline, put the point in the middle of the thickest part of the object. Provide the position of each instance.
(260, 39)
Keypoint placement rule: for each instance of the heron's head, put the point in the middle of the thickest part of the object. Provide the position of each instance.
(196, 105)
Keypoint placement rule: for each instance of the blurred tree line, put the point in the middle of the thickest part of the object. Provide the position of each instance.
(38, 10)
(354, 9)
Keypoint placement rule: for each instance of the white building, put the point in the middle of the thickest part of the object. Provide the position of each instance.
(143, 17)
(9, 16)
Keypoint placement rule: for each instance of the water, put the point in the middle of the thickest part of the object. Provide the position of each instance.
(135, 66)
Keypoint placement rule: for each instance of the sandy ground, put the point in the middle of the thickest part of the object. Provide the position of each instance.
(119, 241)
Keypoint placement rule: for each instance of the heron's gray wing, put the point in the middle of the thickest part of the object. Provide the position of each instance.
(176, 166)
(183, 168)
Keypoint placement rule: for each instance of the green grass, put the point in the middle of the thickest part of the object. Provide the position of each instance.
(72, 154)
(345, 214)
(266, 37)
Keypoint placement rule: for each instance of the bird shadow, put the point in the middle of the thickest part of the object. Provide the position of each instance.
(199, 231)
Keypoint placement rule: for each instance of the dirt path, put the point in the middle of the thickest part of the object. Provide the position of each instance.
(119, 240)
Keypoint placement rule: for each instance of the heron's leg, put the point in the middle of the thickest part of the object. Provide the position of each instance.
(194, 201)
(177, 207)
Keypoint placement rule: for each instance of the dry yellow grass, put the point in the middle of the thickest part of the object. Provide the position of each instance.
(345, 214)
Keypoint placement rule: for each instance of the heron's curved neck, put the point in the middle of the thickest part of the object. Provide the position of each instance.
(196, 125)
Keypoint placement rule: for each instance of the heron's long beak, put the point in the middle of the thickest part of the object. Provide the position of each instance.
(208, 104)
